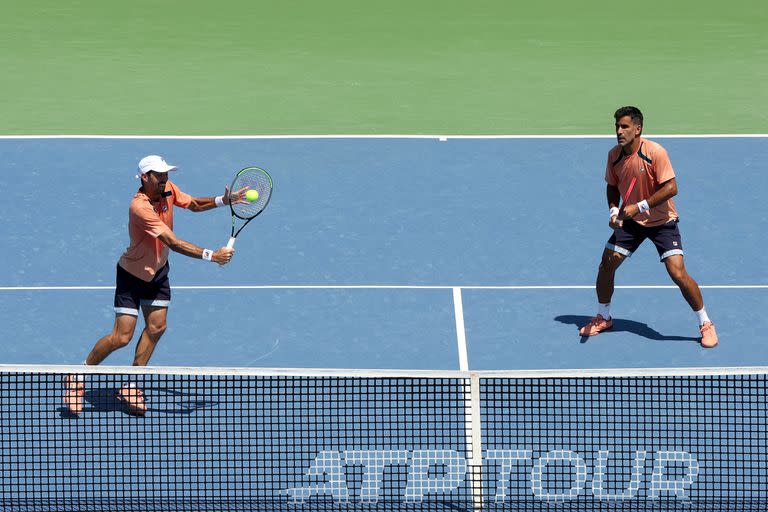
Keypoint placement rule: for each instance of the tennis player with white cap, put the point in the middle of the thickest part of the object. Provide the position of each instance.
(142, 274)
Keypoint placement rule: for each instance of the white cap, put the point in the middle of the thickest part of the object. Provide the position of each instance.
(155, 163)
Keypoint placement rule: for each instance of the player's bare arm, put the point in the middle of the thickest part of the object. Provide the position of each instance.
(614, 197)
(221, 256)
(201, 204)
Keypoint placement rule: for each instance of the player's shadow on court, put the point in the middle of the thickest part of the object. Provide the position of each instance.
(621, 325)
(159, 400)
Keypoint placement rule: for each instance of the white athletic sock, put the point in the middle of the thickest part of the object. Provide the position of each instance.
(604, 310)
(702, 314)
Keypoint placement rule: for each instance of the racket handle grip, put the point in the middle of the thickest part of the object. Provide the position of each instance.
(230, 245)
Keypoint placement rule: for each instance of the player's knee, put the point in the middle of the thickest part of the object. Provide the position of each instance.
(610, 262)
(122, 332)
(122, 338)
(156, 330)
(678, 274)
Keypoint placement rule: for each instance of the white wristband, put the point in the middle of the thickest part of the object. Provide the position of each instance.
(219, 200)
(643, 206)
(207, 254)
(614, 212)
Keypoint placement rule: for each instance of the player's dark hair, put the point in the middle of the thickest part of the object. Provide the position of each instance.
(633, 112)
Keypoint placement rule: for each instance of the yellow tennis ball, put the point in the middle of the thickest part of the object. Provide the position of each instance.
(252, 195)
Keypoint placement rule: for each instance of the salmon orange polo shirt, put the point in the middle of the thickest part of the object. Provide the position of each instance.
(146, 254)
(651, 166)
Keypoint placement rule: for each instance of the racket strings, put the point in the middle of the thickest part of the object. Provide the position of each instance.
(252, 179)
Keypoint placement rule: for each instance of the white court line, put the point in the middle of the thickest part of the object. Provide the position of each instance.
(461, 334)
(393, 136)
(391, 287)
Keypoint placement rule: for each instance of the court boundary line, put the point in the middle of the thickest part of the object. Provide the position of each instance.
(441, 138)
(461, 332)
(390, 287)
(394, 373)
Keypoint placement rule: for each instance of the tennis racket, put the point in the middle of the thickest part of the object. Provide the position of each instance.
(246, 180)
(629, 191)
(626, 196)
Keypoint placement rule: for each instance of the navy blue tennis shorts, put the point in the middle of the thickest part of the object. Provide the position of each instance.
(628, 238)
(131, 292)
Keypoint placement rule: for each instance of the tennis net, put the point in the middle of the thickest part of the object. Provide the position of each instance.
(291, 440)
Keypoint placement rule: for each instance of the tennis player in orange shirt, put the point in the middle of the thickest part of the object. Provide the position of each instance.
(142, 274)
(640, 173)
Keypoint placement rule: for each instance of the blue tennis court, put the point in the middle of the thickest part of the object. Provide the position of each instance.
(469, 257)
(518, 224)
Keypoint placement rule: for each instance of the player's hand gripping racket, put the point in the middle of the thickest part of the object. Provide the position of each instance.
(250, 193)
